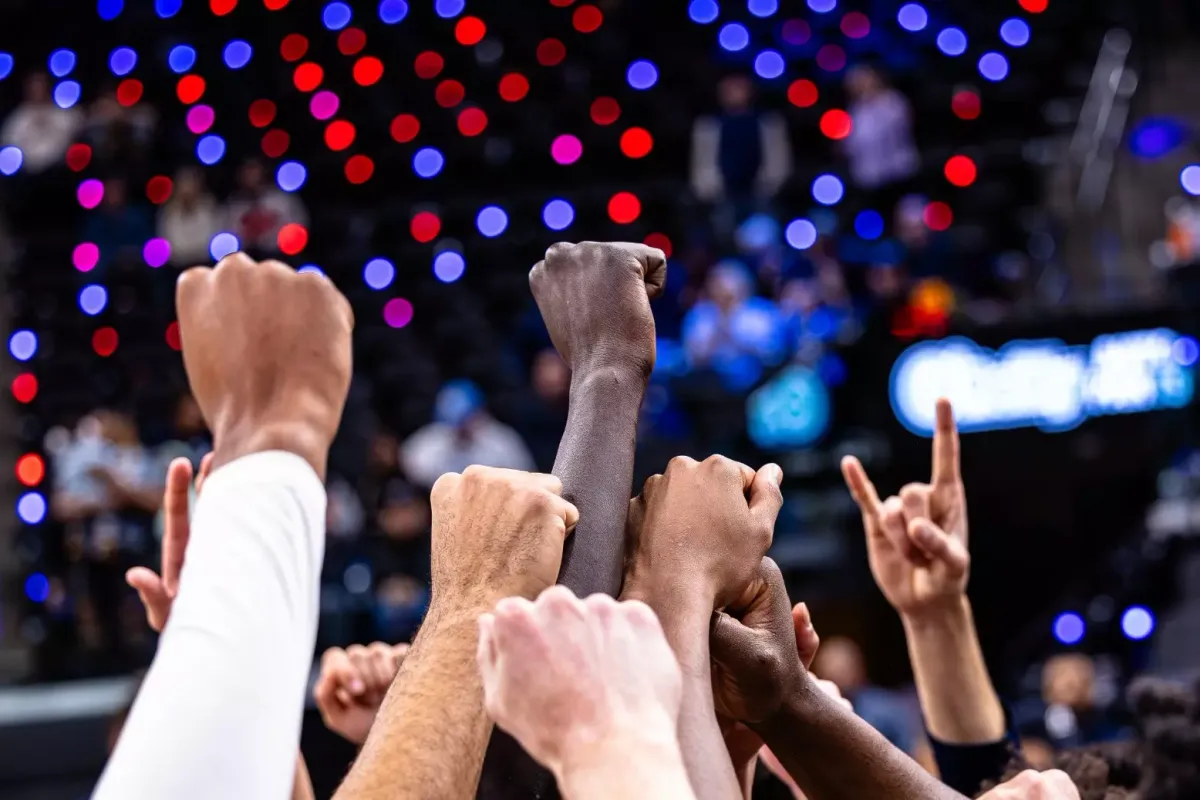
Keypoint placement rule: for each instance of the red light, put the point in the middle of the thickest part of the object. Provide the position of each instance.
(605, 111)
(449, 94)
(836, 124)
(105, 341)
(966, 104)
(405, 128)
(31, 469)
(624, 207)
(351, 41)
(428, 65)
(513, 87)
(636, 142)
(78, 157)
(368, 70)
(262, 113)
(158, 189)
(831, 58)
(173, 340)
(129, 92)
(359, 169)
(470, 30)
(856, 25)
(551, 52)
(222, 7)
(275, 5)
(293, 238)
(960, 171)
(561, 3)
(660, 241)
(308, 76)
(275, 143)
(293, 47)
(25, 387)
(803, 93)
(190, 89)
(425, 226)
(1035, 6)
(339, 134)
(587, 19)
(938, 216)
(472, 122)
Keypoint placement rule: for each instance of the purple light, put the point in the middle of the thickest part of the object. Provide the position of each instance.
(1069, 627)
(796, 32)
(85, 257)
(157, 252)
(200, 119)
(398, 312)
(831, 58)
(90, 193)
(566, 149)
(323, 105)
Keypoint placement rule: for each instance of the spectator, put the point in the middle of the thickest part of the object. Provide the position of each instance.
(883, 158)
(257, 210)
(462, 434)
(840, 660)
(189, 220)
(398, 513)
(1071, 716)
(544, 415)
(41, 129)
(119, 229)
(741, 157)
(121, 136)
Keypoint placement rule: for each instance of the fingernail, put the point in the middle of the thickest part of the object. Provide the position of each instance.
(775, 474)
(357, 686)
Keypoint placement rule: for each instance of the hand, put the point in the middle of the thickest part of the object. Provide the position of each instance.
(267, 352)
(594, 298)
(1031, 785)
(693, 523)
(496, 533)
(352, 685)
(917, 542)
(157, 593)
(571, 679)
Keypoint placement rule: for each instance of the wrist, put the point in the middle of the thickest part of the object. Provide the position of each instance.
(636, 752)
(599, 375)
(949, 616)
(244, 438)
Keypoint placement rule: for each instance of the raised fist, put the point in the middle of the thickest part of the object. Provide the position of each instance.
(352, 685)
(1030, 785)
(594, 298)
(267, 352)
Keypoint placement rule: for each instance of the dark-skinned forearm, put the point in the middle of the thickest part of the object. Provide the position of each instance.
(832, 754)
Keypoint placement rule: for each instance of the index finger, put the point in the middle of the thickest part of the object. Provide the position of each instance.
(945, 445)
(175, 522)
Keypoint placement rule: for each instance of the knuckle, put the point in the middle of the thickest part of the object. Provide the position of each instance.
(356, 651)
(681, 463)
(557, 251)
(913, 492)
(445, 485)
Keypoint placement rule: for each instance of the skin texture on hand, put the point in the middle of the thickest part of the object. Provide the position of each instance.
(1030, 785)
(352, 684)
(917, 545)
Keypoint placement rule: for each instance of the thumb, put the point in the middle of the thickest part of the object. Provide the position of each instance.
(765, 496)
(807, 640)
(730, 642)
(153, 595)
(938, 545)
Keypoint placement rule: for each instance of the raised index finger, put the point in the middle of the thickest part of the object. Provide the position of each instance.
(945, 446)
(175, 522)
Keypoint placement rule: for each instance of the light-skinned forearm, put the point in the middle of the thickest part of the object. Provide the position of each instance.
(832, 754)
(642, 764)
(958, 700)
(302, 784)
(428, 739)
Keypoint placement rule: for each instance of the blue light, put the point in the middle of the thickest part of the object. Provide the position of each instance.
(181, 58)
(92, 299)
(828, 190)
(993, 66)
(66, 94)
(428, 161)
(379, 273)
(167, 8)
(449, 266)
(210, 149)
(6, 65)
(733, 37)
(448, 8)
(952, 42)
(109, 9)
(291, 175)
(1155, 137)
(313, 268)
(769, 64)
(822, 6)
(336, 16)
(237, 54)
(1069, 627)
(392, 11)
(792, 410)
(31, 508)
(762, 8)
(61, 63)
(1186, 351)
(223, 244)
(1137, 623)
(491, 221)
(37, 587)
(1015, 32)
(913, 17)
(122, 61)
(869, 224)
(558, 214)
(801, 234)
(703, 12)
(642, 75)
(1189, 179)
(11, 159)
(23, 345)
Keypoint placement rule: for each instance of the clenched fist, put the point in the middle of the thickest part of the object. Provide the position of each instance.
(267, 352)
(1030, 785)
(496, 533)
(352, 685)
(594, 298)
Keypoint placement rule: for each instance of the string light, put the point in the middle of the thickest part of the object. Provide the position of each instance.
(624, 208)
(449, 93)
(513, 87)
(405, 127)
(359, 169)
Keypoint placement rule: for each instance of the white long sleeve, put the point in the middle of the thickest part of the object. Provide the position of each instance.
(219, 713)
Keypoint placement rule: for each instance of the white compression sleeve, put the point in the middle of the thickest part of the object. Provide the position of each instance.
(219, 713)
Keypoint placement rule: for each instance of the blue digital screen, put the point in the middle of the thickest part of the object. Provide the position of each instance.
(791, 410)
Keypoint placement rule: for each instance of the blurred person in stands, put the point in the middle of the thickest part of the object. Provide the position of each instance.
(841, 660)
(118, 228)
(120, 136)
(741, 156)
(1072, 716)
(462, 433)
(883, 158)
(190, 219)
(257, 210)
(544, 414)
(41, 129)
